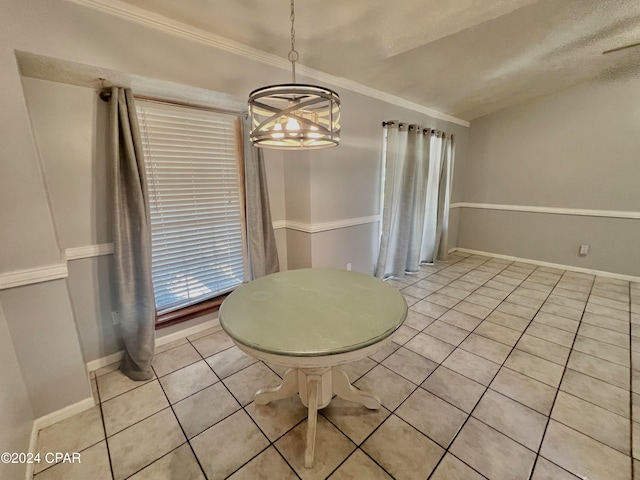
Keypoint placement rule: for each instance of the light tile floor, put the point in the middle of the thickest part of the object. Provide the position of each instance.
(502, 371)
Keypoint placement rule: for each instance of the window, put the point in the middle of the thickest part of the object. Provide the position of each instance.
(193, 164)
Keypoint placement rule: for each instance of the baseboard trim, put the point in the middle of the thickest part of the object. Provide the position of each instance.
(33, 445)
(187, 332)
(98, 363)
(51, 418)
(66, 412)
(571, 268)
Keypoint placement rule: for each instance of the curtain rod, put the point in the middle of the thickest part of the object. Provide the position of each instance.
(425, 130)
(105, 95)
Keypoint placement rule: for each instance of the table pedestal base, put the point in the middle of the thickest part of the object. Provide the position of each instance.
(316, 387)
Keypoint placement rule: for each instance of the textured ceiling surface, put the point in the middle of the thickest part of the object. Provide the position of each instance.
(466, 58)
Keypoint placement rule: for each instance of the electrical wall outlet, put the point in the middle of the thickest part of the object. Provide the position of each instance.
(349, 266)
(115, 316)
(584, 250)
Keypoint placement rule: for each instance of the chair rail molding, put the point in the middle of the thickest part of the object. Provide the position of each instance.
(76, 253)
(583, 212)
(28, 276)
(88, 251)
(326, 226)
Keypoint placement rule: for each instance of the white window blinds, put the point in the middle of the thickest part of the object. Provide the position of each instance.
(191, 160)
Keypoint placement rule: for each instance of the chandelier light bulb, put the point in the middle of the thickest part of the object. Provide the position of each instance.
(277, 131)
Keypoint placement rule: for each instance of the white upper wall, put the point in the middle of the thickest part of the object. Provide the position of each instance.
(345, 181)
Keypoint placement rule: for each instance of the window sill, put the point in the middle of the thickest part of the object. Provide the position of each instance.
(187, 313)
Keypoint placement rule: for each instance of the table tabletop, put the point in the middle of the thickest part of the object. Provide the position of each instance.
(312, 312)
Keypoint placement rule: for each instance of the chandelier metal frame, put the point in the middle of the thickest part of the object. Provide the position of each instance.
(294, 116)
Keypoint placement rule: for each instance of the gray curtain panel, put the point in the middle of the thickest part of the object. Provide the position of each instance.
(261, 241)
(131, 238)
(436, 222)
(397, 202)
(421, 144)
(441, 247)
(418, 166)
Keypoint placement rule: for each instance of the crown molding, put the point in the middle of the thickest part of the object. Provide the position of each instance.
(159, 22)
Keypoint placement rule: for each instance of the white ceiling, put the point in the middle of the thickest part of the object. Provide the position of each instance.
(465, 58)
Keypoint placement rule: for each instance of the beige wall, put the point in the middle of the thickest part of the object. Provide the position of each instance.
(44, 338)
(340, 184)
(555, 238)
(16, 416)
(356, 245)
(69, 124)
(577, 149)
(53, 191)
(39, 316)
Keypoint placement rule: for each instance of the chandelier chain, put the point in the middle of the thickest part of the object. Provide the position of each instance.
(293, 54)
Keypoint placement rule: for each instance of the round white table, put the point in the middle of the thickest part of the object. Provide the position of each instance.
(312, 321)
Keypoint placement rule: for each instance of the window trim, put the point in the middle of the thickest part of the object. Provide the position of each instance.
(213, 304)
(192, 311)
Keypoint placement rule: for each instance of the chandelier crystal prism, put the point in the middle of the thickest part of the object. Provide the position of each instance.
(294, 116)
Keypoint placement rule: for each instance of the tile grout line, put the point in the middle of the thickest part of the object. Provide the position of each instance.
(376, 363)
(558, 389)
(171, 405)
(205, 387)
(188, 441)
(565, 366)
(243, 408)
(221, 380)
(392, 412)
(104, 429)
(446, 450)
(550, 292)
(489, 383)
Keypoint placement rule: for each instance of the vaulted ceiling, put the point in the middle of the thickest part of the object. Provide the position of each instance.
(466, 58)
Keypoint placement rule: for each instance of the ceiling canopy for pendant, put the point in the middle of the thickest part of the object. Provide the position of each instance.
(294, 116)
